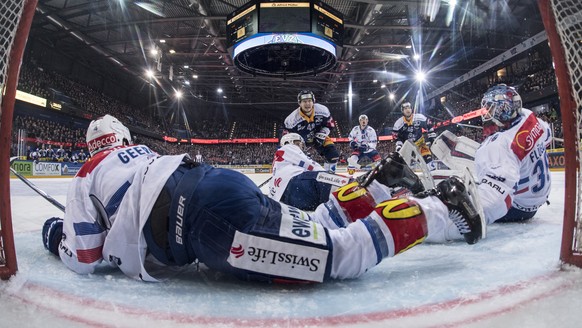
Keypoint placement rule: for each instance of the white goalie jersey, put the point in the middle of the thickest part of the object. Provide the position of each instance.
(512, 168)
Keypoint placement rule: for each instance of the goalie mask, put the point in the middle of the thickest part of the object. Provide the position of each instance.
(502, 103)
(292, 139)
(106, 132)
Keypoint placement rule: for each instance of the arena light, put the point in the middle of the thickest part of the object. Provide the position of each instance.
(420, 76)
(149, 73)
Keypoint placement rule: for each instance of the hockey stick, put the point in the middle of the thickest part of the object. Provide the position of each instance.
(265, 182)
(35, 188)
(411, 155)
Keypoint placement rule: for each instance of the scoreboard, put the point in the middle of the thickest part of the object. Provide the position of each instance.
(242, 23)
(327, 23)
(263, 16)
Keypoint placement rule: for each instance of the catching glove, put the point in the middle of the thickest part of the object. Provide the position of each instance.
(52, 233)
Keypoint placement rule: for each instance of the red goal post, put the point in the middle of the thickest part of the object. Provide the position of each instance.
(16, 17)
(563, 23)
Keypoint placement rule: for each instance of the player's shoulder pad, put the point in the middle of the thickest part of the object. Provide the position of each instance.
(398, 124)
(419, 117)
(292, 119)
(321, 110)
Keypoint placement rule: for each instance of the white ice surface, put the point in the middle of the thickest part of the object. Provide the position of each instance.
(511, 279)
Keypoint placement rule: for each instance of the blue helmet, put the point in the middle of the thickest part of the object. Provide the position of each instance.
(502, 103)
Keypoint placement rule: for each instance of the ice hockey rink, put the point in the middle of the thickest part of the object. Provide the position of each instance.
(510, 279)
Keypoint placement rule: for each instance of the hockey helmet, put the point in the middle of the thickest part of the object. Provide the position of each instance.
(502, 103)
(363, 119)
(405, 105)
(291, 138)
(106, 132)
(305, 94)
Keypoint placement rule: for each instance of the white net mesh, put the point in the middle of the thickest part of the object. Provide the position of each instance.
(568, 16)
(10, 13)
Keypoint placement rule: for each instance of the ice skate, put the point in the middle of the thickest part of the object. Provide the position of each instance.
(392, 172)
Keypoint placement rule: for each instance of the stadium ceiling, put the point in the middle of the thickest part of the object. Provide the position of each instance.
(381, 39)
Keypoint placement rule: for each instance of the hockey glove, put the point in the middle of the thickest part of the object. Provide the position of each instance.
(354, 145)
(52, 233)
(398, 145)
(321, 136)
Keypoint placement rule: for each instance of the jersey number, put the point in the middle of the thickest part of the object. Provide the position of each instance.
(541, 169)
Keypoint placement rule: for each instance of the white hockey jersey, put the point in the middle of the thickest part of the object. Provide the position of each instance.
(365, 137)
(108, 202)
(512, 167)
(289, 161)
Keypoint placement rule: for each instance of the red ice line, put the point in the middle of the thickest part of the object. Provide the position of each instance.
(330, 321)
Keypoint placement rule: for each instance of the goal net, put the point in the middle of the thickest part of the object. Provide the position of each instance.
(15, 17)
(563, 23)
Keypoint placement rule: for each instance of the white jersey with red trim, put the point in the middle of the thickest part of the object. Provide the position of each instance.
(512, 167)
(364, 137)
(289, 161)
(108, 202)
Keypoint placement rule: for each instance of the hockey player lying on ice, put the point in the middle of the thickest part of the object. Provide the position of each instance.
(141, 212)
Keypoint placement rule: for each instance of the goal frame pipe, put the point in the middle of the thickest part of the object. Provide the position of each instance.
(567, 108)
(8, 101)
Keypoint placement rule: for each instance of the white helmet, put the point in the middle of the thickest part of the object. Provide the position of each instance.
(363, 117)
(290, 138)
(106, 132)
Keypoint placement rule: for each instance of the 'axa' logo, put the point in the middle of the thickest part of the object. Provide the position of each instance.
(237, 251)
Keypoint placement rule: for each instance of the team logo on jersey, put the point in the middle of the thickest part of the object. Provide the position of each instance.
(526, 138)
(278, 258)
(279, 156)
